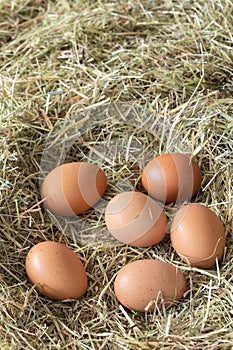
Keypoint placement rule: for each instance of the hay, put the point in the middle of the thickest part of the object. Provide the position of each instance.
(59, 58)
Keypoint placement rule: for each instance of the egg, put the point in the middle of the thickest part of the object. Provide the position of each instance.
(136, 219)
(56, 271)
(73, 188)
(144, 285)
(171, 177)
(197, 235)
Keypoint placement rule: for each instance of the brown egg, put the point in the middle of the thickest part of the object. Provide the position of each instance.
(144, 284)
(198, 235)
(172, 177)
(135, 219)
(56, 271)
(73, 188)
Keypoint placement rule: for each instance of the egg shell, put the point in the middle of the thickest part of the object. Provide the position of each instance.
(73, 188)
(56, 271)
(136, 219)
(198, 235)
(171, 177)
(145, 284)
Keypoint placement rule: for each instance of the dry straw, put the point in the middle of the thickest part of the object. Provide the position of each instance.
(59, 58)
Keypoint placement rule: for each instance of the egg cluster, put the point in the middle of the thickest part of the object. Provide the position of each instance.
(133, 218)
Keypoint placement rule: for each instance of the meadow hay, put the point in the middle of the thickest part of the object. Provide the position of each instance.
(61, 60)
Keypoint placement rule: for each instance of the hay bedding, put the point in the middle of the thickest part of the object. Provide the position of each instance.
(59, 58)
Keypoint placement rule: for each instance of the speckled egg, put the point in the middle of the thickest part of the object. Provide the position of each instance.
(144, 285)
(56, 271)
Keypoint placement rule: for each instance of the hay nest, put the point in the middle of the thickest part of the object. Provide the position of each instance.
(171, 63)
